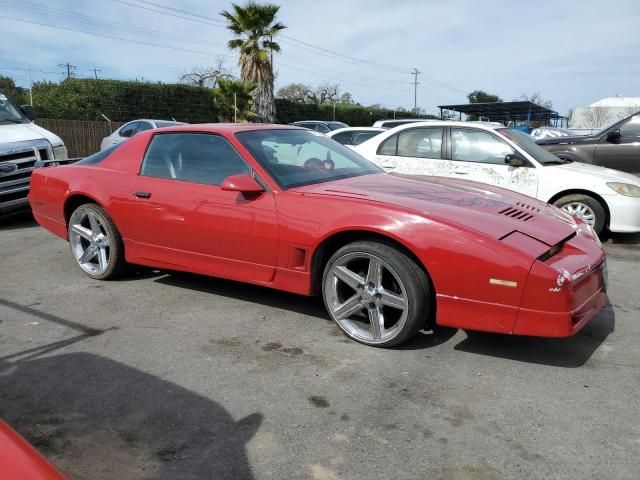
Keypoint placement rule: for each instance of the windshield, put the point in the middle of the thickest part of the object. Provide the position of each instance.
(526, 143)
(9, 113)
(336, 125)
(298, 157)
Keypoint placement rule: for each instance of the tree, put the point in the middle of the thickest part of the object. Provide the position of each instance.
(207, 76)
(254, 26)
(296, 92)
(596, 116)
(480, 96)
(535, 98)
(234, 95)
(17, 95)
(303, 93)
(347, 98)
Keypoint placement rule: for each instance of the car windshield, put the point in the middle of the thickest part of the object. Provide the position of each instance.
(336, 125)
(296, 157)
(9, 113)
(526, 143)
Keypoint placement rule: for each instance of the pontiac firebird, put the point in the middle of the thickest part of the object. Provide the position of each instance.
(282, 207)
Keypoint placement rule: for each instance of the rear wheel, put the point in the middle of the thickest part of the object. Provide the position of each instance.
(95, 242)
(585, 207)
(376, 294)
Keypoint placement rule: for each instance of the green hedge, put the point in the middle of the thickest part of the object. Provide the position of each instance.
(86, 99)
(121, 101)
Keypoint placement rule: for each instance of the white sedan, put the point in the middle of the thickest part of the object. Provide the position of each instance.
(129, 129)
(350, 136)
(511, 159)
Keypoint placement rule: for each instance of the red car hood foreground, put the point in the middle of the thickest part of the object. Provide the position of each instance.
(484, 208)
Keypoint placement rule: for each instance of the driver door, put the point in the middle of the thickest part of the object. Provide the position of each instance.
(621, 153)
(481, 156)
(184, 219)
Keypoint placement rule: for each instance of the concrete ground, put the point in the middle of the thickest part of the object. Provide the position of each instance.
(175, 376)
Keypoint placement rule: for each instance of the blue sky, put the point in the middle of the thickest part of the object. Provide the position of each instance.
(572, 52)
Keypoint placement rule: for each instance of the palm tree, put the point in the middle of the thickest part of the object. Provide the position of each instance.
(234, 95)
(254, 26)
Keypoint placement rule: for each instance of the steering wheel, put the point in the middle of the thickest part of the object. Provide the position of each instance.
(317, 164)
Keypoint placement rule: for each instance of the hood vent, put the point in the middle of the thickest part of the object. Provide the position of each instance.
(528, 207)
(516, 213)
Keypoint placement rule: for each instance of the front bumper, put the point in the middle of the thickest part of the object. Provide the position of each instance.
(624, 213)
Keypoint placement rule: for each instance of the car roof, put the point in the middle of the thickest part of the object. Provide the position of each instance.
(447, 123)
(228, 127)
(156, 120)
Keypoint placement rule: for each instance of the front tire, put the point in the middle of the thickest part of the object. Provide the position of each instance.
(376, 294)
(585, 207)
(95, 242)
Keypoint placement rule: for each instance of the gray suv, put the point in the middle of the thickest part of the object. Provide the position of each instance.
(616, 146)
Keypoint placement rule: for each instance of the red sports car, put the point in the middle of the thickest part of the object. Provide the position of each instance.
(282, 207)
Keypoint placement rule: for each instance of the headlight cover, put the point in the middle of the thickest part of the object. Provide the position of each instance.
(626, 189)
(60, 152)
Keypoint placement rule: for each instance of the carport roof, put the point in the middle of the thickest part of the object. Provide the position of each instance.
(521, 110)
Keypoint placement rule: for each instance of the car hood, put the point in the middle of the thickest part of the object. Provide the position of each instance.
(23, 132)
(493, 211)
(601, 174)
(566, 140)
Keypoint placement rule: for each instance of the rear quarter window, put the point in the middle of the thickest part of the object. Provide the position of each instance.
(98, 157)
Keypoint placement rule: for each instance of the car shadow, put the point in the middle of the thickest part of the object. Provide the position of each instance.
(97, 419)
(621, 238)
(572, 352)
(17, 220)
(310, 306)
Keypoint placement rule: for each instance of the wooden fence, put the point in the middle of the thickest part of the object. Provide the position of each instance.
(82, 137)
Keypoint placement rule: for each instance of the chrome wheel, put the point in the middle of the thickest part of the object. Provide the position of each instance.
(90, 242)
(580, 210)
(366, 298)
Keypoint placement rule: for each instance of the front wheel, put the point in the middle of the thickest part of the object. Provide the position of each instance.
(584, 207)
(95, 242)
(376, 294)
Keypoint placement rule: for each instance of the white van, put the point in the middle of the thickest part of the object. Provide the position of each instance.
(23, 147)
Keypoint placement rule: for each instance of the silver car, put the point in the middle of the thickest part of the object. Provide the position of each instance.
(128, 130)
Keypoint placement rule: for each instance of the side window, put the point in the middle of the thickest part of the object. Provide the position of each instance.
(421, 143)
(144, 126)
(192, 157)
(360, 137)
(128, 130)
(343, 137)
(631, 128)
(322, 128)
(389, 146)
(469, 145)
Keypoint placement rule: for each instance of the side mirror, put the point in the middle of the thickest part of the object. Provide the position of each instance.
(514, 160)
(614, 136)
(29, 112)
(243, 183)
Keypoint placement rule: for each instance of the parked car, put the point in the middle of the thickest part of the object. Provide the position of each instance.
(283, 207)
(354, 135)
(511, 159)
(19, 460)
(395, 122)
(22, 144)
(129, 129)
(320, 125)
(614, 146)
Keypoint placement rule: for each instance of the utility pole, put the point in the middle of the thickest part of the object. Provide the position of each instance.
(235, 108)
(95, 71)
(415, 84)
(30, 89)
(70, 68)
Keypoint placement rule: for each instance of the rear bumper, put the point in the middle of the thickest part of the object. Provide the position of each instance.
(538, 323)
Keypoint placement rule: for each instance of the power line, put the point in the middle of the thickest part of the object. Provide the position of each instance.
(70, 69)
(415, 83)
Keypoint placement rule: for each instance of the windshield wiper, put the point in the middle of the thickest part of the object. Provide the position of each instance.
(10, 120)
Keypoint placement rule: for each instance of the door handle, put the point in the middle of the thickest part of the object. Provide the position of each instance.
(142, 194)
(461, 172)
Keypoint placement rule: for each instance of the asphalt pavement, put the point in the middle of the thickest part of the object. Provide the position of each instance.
(174, 376)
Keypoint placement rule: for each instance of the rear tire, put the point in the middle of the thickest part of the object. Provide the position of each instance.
(585, 207)
(376, 294)
(95, 242)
